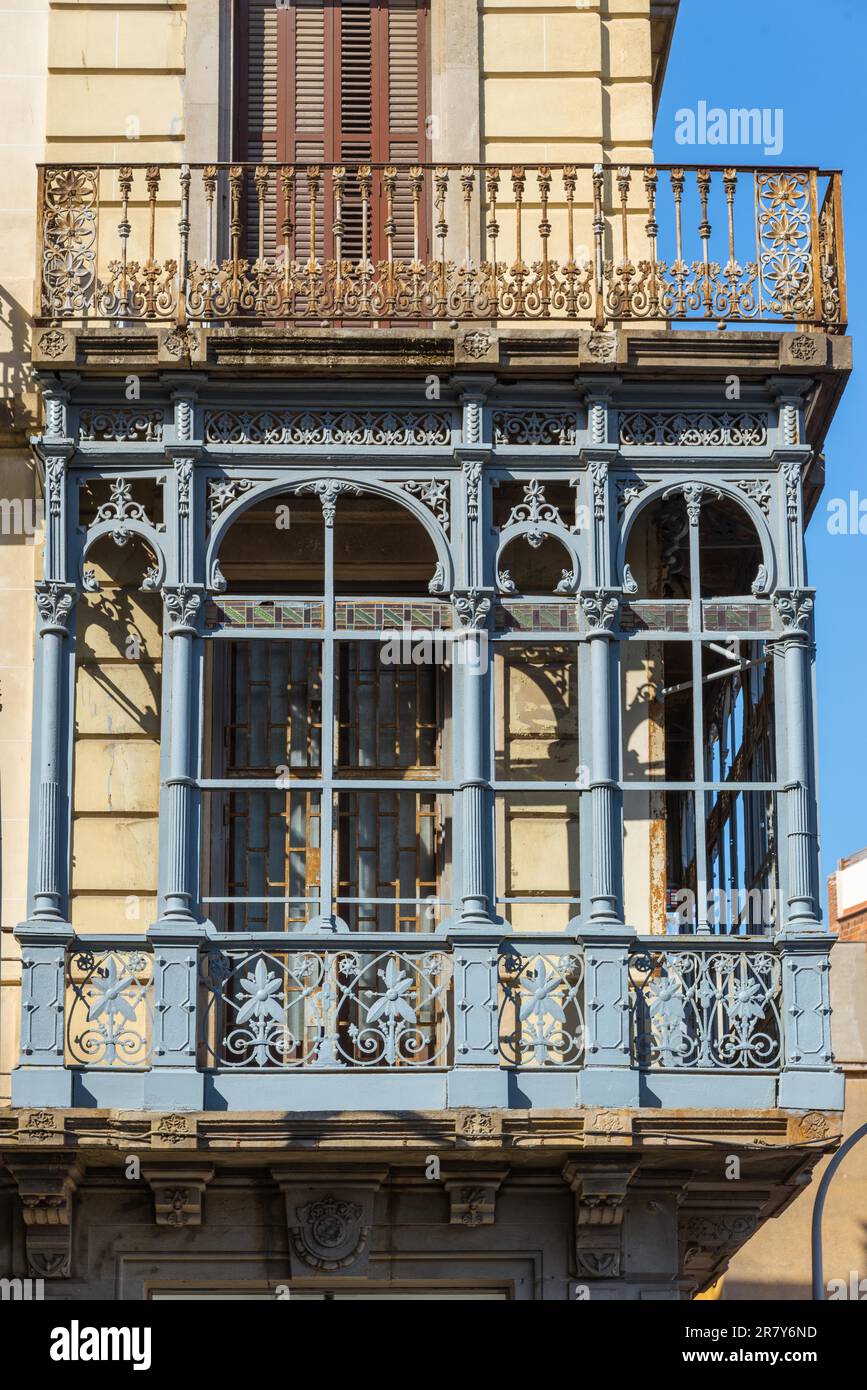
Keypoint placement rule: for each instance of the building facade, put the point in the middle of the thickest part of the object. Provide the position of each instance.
(422, 877)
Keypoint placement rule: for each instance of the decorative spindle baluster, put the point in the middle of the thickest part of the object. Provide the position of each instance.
(338, 177)
(389, 183)
(364, 267)
(623, 291)
(678, 269)
(236, 227)
(314, 179)
(651, 179)
(570, 270)
(416, 182)
(543, 178)
(287, 184)
(261, 271)
(493, 231)
(151, 269)
(441, 180)
(468, 181)
(184, 243)
(123, 230)
(519, 270)
(598, 244)
(703, 177)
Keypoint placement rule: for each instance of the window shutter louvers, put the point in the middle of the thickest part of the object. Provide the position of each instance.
(334, 83)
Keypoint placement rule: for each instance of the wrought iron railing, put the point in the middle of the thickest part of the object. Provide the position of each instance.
(333, 244)
(698, 1005)
(273, 1007)
(271, 1004)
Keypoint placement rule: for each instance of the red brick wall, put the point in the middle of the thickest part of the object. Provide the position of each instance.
(853, 925)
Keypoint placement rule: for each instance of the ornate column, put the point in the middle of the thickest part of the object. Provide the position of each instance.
(808, 1079)
(40, 1078)
(608, 1077)
(476, 1078)
(174, 1082)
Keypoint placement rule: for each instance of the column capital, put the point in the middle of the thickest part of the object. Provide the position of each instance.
(54, 601)
(183, 603)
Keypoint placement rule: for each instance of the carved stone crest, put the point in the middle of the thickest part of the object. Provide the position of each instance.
(329, 1228)
(329, 1234)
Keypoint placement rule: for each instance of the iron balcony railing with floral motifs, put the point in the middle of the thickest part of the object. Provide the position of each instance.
(390, 244)
(271, 1005)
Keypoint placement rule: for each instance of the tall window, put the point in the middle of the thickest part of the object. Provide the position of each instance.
(327, 768)
(699, 747)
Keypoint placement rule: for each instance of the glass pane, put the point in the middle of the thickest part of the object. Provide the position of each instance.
(742, 837)
(391, 716)
(261, 844)
(267, 708)
(390, 846)
(738, 696)
(657, 704)
(536, 713)
(537, 857)
(659, 866)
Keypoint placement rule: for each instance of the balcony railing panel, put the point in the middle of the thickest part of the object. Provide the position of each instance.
(699, 1006)
(222, 244)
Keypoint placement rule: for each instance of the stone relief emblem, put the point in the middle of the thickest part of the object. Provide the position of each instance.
(330, 1234)
(477, 344)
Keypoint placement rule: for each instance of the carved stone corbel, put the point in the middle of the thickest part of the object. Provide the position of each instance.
(473, 1196)
(178, 1194)
(709, 1238)
(600, 1196)
(329, 1223)
(47, 1192)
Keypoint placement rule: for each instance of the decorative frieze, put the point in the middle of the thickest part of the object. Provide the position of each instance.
(126, 425)
(694, 429)
(535, 428)
(306, 428)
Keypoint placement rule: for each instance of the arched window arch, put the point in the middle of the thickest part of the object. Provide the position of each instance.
(327, 759)
(699, 762)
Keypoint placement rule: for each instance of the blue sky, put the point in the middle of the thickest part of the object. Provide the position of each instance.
(810, 60)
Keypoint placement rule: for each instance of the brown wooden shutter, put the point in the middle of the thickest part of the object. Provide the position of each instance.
(336, 82)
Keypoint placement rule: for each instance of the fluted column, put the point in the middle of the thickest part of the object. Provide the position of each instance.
(808, 1079)
(182, 603)
(609, 1077)
(795, 607)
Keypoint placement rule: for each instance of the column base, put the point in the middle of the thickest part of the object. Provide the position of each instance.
(478, 1087)
(801, 1089)
(50, 1087)
(174, 1088)
(614, 1088)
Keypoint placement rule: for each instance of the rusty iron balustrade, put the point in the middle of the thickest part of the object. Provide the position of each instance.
(333, 244)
